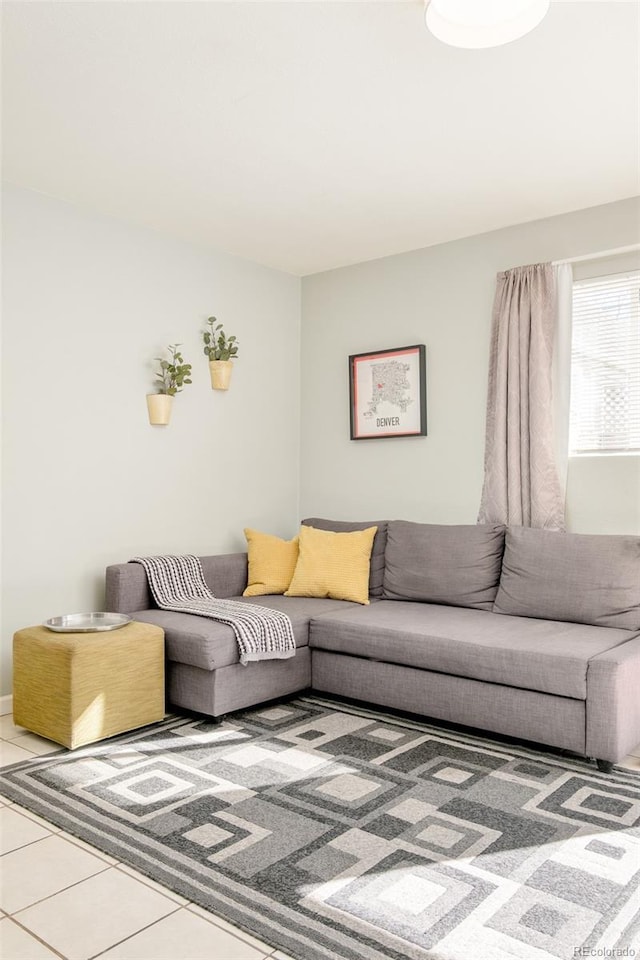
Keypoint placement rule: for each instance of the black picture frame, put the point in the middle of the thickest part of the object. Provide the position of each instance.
(388, 393)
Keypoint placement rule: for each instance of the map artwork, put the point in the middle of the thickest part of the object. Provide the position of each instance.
(389, 381)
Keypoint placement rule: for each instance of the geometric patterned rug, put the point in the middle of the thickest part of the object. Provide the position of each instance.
(334, 831)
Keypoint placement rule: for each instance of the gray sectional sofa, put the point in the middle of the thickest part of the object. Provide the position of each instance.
(528, 633)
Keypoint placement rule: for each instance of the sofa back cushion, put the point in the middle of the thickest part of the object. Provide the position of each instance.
(582, 578)
(376, 569)
(434, 563)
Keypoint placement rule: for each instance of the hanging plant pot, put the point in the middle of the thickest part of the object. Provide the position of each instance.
(220, 371)
(159, 407)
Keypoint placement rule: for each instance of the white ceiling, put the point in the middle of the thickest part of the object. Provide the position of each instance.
(307, 136)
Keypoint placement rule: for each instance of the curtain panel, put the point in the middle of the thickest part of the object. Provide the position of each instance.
(521, 486)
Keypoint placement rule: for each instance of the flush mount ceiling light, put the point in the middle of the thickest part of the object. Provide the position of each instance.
(483, 23)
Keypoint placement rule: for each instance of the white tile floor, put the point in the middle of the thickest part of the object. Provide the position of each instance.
(61, 898)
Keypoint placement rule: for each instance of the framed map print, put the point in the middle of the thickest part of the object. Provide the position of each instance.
(388, 393)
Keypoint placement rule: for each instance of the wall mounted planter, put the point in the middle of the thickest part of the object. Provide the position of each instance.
(159, 406)
(220, 371)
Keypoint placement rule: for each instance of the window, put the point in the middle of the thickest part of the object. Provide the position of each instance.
(605, 365)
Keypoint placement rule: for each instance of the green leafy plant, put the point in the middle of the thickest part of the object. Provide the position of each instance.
(217, 346)
(174, 373)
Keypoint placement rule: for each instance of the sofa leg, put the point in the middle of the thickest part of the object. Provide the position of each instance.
(605, 766)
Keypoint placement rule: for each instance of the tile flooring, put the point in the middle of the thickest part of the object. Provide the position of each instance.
(61, 898)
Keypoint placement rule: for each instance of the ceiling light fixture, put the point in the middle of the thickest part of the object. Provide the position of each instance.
(483, 23)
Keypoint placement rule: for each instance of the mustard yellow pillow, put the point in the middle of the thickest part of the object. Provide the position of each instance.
(333, 565)
(271, 563)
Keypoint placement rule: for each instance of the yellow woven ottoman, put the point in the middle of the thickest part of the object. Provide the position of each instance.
(76, 688)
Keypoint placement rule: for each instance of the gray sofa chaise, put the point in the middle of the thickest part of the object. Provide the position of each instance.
(528, 633)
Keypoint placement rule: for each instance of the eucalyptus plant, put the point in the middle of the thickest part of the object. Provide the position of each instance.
(174, 373)
(217, 346)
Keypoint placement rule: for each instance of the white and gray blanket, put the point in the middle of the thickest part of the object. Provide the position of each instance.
(178, 584)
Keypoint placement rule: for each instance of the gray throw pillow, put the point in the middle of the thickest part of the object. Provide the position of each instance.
(457, 565)
(376, 569)
(582, 578)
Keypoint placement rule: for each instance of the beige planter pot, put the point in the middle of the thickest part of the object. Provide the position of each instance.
(159, 407)
(220, 371)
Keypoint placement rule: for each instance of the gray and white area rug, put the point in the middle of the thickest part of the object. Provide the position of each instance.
(332, 831)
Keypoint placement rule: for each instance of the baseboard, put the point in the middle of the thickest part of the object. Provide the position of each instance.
(6, 705)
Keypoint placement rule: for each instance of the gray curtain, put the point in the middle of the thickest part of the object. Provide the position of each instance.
(521, 485)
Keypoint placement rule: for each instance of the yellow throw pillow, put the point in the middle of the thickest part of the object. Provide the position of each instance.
(271, 563)
(333, 565)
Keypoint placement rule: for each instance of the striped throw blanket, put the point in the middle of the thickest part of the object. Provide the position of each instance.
(178, 584)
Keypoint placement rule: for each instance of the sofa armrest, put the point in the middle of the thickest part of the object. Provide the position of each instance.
(613, 702)
(127, 589)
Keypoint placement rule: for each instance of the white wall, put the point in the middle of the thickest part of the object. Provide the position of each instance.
(440, 296)
(603, 494)
(88, 302)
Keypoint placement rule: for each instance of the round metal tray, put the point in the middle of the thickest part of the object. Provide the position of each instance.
(87, 622)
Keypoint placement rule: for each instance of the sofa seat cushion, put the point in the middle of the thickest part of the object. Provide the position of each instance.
(531, 654)
(209, 644)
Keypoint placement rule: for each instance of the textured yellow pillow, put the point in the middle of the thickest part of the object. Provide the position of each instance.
(271, 563)
(333, 565)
